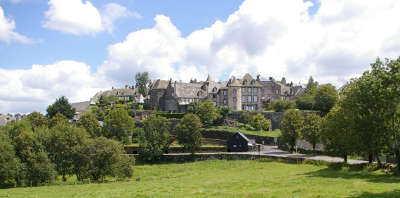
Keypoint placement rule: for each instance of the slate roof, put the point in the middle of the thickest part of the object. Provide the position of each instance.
(160, 84)
(189, 90)
(245, 137)
(81, 107)
(115, 92)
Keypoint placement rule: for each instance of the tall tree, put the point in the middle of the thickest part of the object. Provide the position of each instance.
(142, 82)
(189, 132)
(61, 105)
(89, 122)
(118, 125)
(311, 86)
(325, 98)
(281, 105)
(154, 137)
(10, 166)
(37, 120)
(208, 112)
(291, 127)
(311, 129)
(259, 122)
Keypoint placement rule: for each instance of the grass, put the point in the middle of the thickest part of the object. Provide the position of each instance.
(206, 142)
(274, 133)
(221, 178)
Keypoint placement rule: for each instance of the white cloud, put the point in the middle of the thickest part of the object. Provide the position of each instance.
(82, 18)
(34, 89)
(7, 32)
(270, 37)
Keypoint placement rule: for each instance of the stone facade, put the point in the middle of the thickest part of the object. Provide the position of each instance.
(246, 93)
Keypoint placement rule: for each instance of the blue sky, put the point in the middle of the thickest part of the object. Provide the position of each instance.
(50, 48)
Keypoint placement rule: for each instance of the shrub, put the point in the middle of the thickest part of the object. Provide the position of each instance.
(291, 127)
(154, 138)
(259, 122)
(118, 125)
(281, 105)
(189, 132)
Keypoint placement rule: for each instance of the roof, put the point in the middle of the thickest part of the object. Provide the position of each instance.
(245, 137)
(189, 90)
(160, 84)
(81, 107)
(115, 92)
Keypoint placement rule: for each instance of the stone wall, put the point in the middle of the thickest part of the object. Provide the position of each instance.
(274, 117)
(222, 135)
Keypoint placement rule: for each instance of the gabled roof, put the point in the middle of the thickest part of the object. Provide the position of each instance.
(189, 90)
(245, 137)
(160, 84)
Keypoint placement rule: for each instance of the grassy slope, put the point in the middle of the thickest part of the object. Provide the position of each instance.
(229, 179)
(274, 133)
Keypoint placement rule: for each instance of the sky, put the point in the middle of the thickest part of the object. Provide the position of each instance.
(76, 48)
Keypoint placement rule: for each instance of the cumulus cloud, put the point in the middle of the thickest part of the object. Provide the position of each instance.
(82, 18)
(7, 33)
(34, 89)
(269, 37)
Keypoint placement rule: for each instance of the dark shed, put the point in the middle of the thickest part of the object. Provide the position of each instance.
(238, 142)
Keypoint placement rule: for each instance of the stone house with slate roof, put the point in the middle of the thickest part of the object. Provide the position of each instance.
(246, 93)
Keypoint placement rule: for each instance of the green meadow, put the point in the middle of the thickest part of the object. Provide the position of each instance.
(234, 178)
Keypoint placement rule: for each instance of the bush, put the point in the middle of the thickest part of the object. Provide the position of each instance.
(245, 117)
(291, 127)
(208, 112)
(154, 138)
(281, 105)
(189, 132)
(305, 102)
(170, 115)
(259, 122)
(89, 122)
(9, 163)
(118, 125)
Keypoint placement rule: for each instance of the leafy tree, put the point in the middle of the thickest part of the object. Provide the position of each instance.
(56, 119)
(89, 122)
(155, 137)
(62, 144)
(118, 125)
(98, 112)
(326, 97)
(15, 128)
(208, 112)
(281, 105)
(10, 166)
(193, 107)
(245, 117)
(291, 126)
(189, 132)
(37, 120)
(305, 102)
(259, 122)
(337, 134)
(142, 81)
(101, 157)
(61, 105)
(39, 169)
(311, 129)
(311, 86)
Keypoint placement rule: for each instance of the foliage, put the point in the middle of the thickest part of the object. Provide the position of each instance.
(57, 119)
(9, 163)
(325, 98)
(281, 105)
(311, 130)
(291, 127)
(189, 132)
(61, 105)
(193, 107)
(311, 86)
(246, 131)
(154, 138)
(89, 122)
(259, 122)
(61, 146)
(118, 125)
(305, 102)
(37, 120)
(208, 112)
(245, 117)
(170, 115)
(107, 100)
(98, 112)
(142, 82)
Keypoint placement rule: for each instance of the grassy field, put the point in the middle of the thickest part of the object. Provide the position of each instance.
(222, 178)
(274, 133)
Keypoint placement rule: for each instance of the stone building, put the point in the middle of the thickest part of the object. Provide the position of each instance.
(246, 93)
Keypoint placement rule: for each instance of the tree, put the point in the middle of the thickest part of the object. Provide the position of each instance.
(89, 122)
(58, 118)
(193, 107)
(291, 127)
(37, 120)
(142, 81)
(311, 86)
(189, 132)
(305, 102)
(98, 112)
(155, 137)
(10, 166)
(259, 122)
(207, 112)
(337, 133)
(61, 105)
(62, 144)
(245, 117)
(101, 157)
(281, 105)
(326, 97)
(118, 125)
(311, 129)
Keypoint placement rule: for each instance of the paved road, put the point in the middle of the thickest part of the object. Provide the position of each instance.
(275, 152)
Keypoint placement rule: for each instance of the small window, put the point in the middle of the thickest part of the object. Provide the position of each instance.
(249, 90)
(255, 98)
(249, 99)
(225, 93)
(234, 99)
(255, 90)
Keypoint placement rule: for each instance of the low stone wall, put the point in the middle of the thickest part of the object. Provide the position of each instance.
(223, 135)
(274, 117)
(135, 149)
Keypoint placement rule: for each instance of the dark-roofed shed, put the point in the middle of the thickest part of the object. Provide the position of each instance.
(238, 142)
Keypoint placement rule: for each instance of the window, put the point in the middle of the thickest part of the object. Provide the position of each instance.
(234, 99)
(277, 91)
(225, 101)
(244, 99)
(249, 90)
(225, 92)
(234, 91)
(254, 98)
(249, 99)
(255, 90)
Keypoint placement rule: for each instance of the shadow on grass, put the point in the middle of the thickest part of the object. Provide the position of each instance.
(353, 172)
(391, 194)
